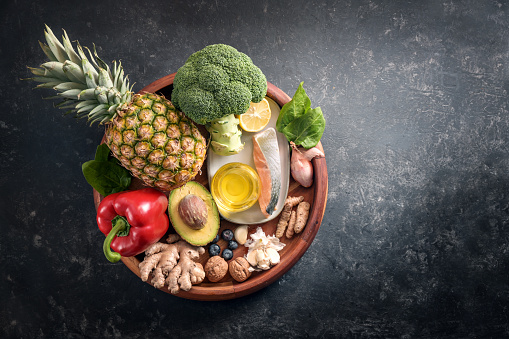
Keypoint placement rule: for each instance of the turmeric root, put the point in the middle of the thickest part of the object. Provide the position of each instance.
(302, 216)
(291, 225)
(290, 202)
(173, 264)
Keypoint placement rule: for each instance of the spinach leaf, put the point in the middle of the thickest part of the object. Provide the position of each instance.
(306, 130)
(299, 123)
(102, 153)
(105, 175)
(293, 109)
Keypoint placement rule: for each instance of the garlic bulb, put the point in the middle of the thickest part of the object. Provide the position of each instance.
(263, 250)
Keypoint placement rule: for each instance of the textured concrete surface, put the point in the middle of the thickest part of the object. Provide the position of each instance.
(414, 241)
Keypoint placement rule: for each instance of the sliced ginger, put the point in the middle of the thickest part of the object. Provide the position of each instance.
(173, 264)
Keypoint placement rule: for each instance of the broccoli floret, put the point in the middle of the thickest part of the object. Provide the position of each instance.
(215, 82)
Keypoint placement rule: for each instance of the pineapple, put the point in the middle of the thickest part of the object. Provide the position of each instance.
(154, 141)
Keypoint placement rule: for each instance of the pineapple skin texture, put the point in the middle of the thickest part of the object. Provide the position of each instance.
(155, 142)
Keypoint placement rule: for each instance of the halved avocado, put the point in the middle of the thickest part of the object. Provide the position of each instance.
(197, 237)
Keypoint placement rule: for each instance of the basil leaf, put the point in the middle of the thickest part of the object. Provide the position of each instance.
(105, 173)
(306, 130)
(293, 109)
(106, 177)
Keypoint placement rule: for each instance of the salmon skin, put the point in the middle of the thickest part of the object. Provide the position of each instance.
(268, 165)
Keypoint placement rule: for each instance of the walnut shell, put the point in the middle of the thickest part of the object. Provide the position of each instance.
(216, 268)
(239, 269)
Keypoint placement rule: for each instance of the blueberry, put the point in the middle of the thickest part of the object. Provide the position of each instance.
(227, 234)
(232, 244)
(214, 249)
(215, 239)
(227, 254)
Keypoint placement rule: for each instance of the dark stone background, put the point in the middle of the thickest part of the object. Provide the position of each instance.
(414, 241)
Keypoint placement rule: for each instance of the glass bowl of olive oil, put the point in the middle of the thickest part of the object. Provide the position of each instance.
(235, 187)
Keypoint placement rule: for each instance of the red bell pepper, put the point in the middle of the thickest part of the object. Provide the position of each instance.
(132, 221)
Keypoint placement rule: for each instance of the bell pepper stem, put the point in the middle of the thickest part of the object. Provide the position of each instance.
(120, 225)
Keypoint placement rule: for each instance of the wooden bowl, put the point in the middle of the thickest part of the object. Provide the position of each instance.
(295, 247)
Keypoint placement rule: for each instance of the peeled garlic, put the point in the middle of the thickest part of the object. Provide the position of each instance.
(262, 259)
(251, 258)
(273, 256)
(263, 251)
(240, 234)
(260, 255)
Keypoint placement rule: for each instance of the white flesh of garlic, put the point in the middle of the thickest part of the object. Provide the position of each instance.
(273, 256)
(240, 234)
(251, 258)
(263, 250)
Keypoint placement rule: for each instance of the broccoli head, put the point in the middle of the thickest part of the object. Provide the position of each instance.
(215, 82)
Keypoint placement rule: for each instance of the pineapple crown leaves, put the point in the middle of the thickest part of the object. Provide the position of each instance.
(86, 85)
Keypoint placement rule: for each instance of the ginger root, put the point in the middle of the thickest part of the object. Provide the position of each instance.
(290, 202)
(302, 216)
(173, 264)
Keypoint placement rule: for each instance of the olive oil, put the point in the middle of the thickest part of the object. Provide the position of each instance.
(235, 187)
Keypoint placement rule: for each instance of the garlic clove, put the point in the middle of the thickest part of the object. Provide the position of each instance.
(251, 258)
(262, 259)
(273, 255)
(265, 266)
(261, 256)
(240, 234)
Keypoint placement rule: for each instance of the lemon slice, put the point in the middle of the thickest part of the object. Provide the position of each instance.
(256, 117)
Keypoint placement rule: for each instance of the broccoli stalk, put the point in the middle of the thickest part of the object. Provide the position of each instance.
(215, 84)
(225, 135)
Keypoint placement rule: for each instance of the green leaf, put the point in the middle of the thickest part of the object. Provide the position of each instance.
(105, 173)
(299, 123)
(306, 130)
(106, 177)
(293, 109)
(102, 153)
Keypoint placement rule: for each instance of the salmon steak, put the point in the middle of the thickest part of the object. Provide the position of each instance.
(268, 165)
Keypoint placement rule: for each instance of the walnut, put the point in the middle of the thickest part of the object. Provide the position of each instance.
(216, 268)
(239, 269)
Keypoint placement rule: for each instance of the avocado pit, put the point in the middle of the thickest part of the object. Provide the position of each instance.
(193, 211)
